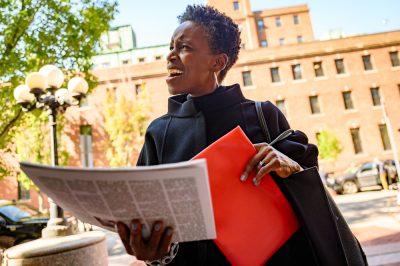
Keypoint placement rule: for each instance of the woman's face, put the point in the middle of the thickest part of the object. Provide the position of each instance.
(191, 64)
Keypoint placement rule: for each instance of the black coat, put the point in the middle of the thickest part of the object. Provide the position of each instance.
(324, 239)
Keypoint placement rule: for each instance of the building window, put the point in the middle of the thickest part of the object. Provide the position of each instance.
(247, 78)
(394, 58)
(384, 137)
(86, 145)
(355, 136)
(348, 102)
(236, 5)
(296, 71)
(138, 88)
(376, 97)
(299, 39)
(125, 62)
(23, 192)
(318, 70)
(367, 62)
(141, 59)
(278, 21)
(260, 24)
(339, 64)
(275, 77)
(281, 105)
(314, 105)
(158, 57)
(296, 19)
(264, 43)
(281, 41)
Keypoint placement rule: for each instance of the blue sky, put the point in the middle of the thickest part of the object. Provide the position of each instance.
(154, 20)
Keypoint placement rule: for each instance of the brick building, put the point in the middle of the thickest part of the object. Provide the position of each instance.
(335, 85)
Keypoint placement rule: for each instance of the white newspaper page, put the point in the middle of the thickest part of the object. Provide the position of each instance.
(179, 194)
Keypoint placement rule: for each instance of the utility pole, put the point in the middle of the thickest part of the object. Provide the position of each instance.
(392, 145)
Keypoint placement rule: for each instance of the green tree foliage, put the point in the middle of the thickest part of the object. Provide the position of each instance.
(328, 145)
(34, 33)
(125, 122)
(39, 32)
(32, 142)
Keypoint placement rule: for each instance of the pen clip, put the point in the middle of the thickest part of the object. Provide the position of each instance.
(282, 136)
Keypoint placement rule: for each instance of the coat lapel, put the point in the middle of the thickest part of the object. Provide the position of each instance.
(186, 133)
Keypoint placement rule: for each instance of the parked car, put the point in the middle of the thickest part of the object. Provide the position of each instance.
(363, 176)
(19, 223)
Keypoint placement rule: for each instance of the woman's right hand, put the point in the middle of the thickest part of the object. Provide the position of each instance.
(153, 248)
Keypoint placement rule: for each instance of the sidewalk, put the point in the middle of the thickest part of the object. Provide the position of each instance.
(375, 220)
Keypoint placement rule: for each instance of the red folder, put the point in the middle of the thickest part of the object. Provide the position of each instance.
(252, 222)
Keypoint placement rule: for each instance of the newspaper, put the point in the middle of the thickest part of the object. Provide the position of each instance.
(179, 194)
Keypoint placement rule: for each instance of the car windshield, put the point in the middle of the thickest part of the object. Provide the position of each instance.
(351, 170)
(13, 213)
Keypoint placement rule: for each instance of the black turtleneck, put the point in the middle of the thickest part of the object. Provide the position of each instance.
(193, 123)
(216, 107)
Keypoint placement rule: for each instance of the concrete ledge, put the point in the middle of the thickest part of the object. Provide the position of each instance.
(82, 249)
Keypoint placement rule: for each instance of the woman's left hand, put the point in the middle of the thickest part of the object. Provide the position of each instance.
(267, 160)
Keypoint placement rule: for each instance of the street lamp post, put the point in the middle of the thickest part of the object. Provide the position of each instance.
(393, 145)
(42, 90)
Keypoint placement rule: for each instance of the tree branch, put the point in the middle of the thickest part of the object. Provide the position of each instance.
(10, 124)
(19, 32)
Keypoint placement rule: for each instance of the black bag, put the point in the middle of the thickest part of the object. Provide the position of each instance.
(331, 239)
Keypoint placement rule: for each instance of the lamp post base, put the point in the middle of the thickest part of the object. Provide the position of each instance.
(54, 230)
(57, 224)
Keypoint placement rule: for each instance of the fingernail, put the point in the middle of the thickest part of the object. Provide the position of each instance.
(117, 227)
(157, 227)
(170, 231)
(255, 182)
(243, 177)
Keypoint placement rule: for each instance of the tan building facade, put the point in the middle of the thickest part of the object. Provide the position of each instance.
(335, 85)
(332, 85)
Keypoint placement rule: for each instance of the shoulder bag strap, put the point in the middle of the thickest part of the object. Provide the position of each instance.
(264, 127)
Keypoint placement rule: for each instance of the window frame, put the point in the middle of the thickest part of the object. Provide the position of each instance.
(375, 101)
(86, 145)
(284, 109)
(342, 64)
(368, 63)
(271, 70)
(264, 41)
(317, 108)
(296, 19)
(23, 193)
(348, 103)
(247, 80)
(295, 73)
(261, 26)
(383, 132)
(357, 143)
(278, 22)
(236, 5)
(299, 39)
(320, 67)
(395, 62)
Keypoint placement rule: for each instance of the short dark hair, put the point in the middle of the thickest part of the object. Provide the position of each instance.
(223, 33)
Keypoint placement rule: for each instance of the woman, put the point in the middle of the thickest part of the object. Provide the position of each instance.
(203, 48)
